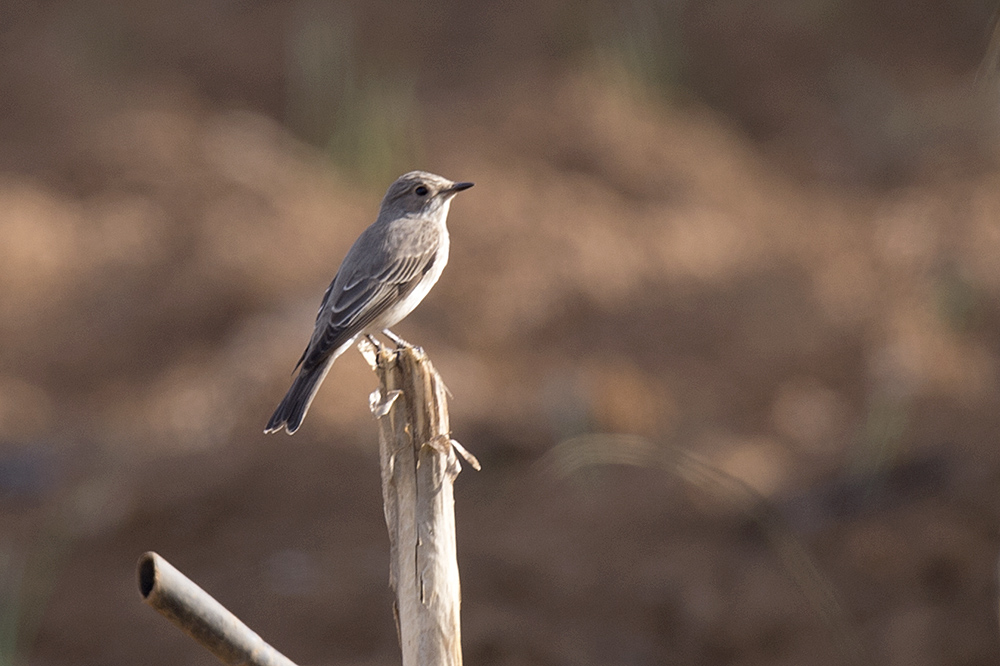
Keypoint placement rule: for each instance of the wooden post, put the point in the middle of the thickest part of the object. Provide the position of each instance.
(419, 467)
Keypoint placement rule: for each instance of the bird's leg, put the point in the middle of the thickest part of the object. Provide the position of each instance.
(399, 342)
(375, 343)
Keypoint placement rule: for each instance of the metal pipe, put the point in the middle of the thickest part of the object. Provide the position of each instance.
(201, 617)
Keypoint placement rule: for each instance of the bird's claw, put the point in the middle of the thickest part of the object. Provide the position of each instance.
(375, 342)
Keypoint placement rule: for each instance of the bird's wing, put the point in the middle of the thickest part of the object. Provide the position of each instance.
(349, 308)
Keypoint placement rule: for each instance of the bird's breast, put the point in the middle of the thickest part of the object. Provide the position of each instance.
(405, 305)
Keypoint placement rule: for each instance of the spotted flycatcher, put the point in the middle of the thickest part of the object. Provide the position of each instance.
(386, 273)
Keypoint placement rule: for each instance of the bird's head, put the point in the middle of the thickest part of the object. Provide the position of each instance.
(420, 193)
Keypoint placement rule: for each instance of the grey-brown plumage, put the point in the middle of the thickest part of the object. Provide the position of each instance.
(386, 273)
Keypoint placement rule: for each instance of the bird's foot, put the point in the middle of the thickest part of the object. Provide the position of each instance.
(398, 341)
(375, 342)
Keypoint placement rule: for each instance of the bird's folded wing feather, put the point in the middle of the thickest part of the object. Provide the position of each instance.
(349, 309)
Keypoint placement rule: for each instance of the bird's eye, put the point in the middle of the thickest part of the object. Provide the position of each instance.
(421, 191)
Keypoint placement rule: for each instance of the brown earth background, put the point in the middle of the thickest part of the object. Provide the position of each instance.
(763, 236)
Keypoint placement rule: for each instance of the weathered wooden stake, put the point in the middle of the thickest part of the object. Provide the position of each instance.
(419, 467)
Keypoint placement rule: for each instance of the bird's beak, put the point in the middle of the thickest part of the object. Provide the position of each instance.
(458, 187)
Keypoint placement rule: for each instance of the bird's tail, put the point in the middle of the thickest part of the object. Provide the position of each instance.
(295, 404)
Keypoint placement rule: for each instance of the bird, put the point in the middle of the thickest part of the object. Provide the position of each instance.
(388, 271)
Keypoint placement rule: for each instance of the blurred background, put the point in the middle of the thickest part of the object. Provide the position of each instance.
(761, 237)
